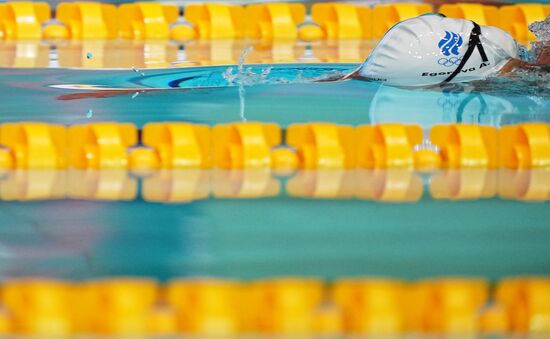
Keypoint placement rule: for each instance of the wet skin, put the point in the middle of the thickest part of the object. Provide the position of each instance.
(542, 62)
(543, 57)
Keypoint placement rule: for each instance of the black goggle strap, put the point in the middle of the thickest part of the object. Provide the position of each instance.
(473, 43)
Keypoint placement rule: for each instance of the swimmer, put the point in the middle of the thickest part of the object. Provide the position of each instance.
(426, 51)
(434, 50)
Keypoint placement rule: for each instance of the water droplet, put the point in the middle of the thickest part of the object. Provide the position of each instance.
(89, 114)
(135, 95)
(89, 55)
(136, 70)
(242, 57)
(242, 93)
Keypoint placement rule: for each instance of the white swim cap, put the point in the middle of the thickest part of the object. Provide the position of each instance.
(427, 49)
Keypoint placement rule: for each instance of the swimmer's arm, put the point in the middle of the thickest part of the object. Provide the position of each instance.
(345, 77)
(543, 57)
(514, 64)
(542, 62)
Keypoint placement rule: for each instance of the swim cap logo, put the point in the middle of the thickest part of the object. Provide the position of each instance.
(450, 43)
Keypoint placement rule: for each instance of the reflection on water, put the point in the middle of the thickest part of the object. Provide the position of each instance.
(495, 102)
(184, 186)
(78, 224)
(213, 105)
(388, 105)
(349, 102)
(152, 54)
(250, 224)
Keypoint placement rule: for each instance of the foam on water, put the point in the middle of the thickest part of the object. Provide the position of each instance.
(541, 29)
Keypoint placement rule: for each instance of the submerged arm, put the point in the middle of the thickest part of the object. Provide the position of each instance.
(349, 76)
(542, 62)
(514, 65)
(543, 54)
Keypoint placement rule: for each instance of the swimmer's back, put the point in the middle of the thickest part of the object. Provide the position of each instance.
(427, 49)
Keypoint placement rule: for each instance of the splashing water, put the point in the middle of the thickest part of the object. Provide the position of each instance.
(541, 29)
(246, 76)
(89, 114)
(243, 56)
(242, 93)
(136, 70)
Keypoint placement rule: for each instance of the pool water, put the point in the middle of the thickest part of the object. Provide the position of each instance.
(277, 234)
(78, 238)
(201, 94)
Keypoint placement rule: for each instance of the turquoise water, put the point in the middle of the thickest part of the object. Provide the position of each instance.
(140, 99)
(279, 235)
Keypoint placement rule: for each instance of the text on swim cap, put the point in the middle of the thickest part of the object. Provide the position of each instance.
(471, 69)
